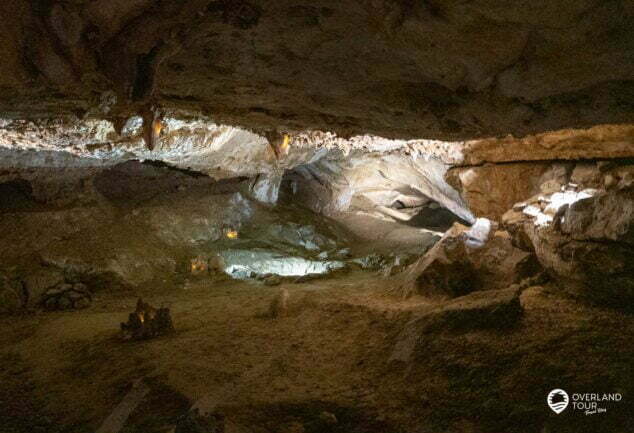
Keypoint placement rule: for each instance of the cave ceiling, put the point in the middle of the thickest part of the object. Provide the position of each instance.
(440, 69)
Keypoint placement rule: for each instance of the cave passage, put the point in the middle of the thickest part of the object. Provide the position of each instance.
(357, 216)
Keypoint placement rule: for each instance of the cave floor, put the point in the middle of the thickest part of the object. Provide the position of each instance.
(66, 371)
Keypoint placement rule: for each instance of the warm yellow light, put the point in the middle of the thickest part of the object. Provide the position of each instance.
(286, 142)
(158, 126)
(232, 234)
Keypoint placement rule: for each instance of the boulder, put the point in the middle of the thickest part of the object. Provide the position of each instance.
(81, 287)
(587, 175)
(64, 303)
(584, 240)
(620, 177)
(490, 309)
(467, 260)
(81, 303)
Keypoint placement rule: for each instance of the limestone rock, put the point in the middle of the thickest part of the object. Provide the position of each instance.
(266, 188)
(38, 283)
(217, 264)
(623, 177)
(598, 142)
(81, 288)
(370, 180)
(587, 175)
(490, 309)
(64, 303)
(328, 417)
(467, 260)
(67, 296)
(585, 240)
(454, 69)
(490, 190)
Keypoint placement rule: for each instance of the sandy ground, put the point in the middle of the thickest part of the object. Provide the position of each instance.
(67, 371)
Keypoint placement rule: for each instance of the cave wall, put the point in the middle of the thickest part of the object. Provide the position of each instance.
(492, 175)
(440, 69)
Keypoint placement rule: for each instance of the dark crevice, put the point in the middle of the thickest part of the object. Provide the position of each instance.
(617, 161)
(143, 86)
(163, 164)
(16, 195)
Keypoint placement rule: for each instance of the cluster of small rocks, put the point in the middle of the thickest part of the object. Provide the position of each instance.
(67, 296)
(545, 208)
(45, 287)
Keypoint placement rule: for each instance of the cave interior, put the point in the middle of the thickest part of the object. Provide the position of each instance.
(364, 216)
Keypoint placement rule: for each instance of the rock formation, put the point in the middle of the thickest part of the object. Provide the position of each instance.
(147, 322)
(467, 260)
(584, 240)
(444, 69)
(445, 191)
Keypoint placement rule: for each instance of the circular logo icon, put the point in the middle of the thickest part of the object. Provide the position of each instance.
(557, 400)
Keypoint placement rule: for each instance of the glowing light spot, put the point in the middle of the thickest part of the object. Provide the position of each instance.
(157, 125)
(199, 265)
(286, 142)
(232, 234)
